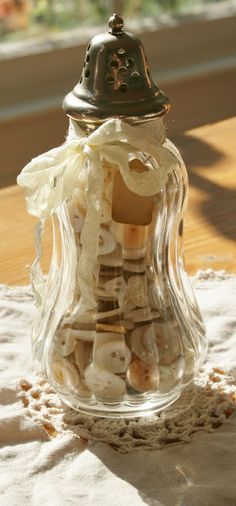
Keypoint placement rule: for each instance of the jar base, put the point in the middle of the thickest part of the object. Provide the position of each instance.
(124, 409)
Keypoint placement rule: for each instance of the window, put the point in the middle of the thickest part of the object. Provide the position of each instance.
(21, 20)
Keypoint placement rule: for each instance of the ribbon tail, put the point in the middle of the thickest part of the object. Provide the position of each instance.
(37, 277)
(87, 270)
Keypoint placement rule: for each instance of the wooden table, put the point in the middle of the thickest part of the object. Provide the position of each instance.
(210, 230)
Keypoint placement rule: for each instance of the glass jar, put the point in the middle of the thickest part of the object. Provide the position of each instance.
(119, 332)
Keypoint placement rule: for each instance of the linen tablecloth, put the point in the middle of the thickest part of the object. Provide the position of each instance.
(185, 456)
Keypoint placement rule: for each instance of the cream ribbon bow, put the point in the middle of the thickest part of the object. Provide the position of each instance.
(49, 179)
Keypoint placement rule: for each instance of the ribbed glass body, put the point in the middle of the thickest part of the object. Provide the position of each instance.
(144, 341)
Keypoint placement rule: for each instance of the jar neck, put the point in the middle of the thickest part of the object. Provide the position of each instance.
(91, 123)
(150, 126)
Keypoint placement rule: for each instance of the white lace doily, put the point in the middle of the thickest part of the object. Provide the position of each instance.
(205, 405)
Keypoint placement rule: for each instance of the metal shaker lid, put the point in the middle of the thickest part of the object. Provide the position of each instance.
(115, 80)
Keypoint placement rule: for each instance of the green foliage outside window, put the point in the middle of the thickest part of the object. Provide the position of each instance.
(26, 18)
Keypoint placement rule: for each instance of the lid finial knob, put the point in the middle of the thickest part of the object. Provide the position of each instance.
(116, 25)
